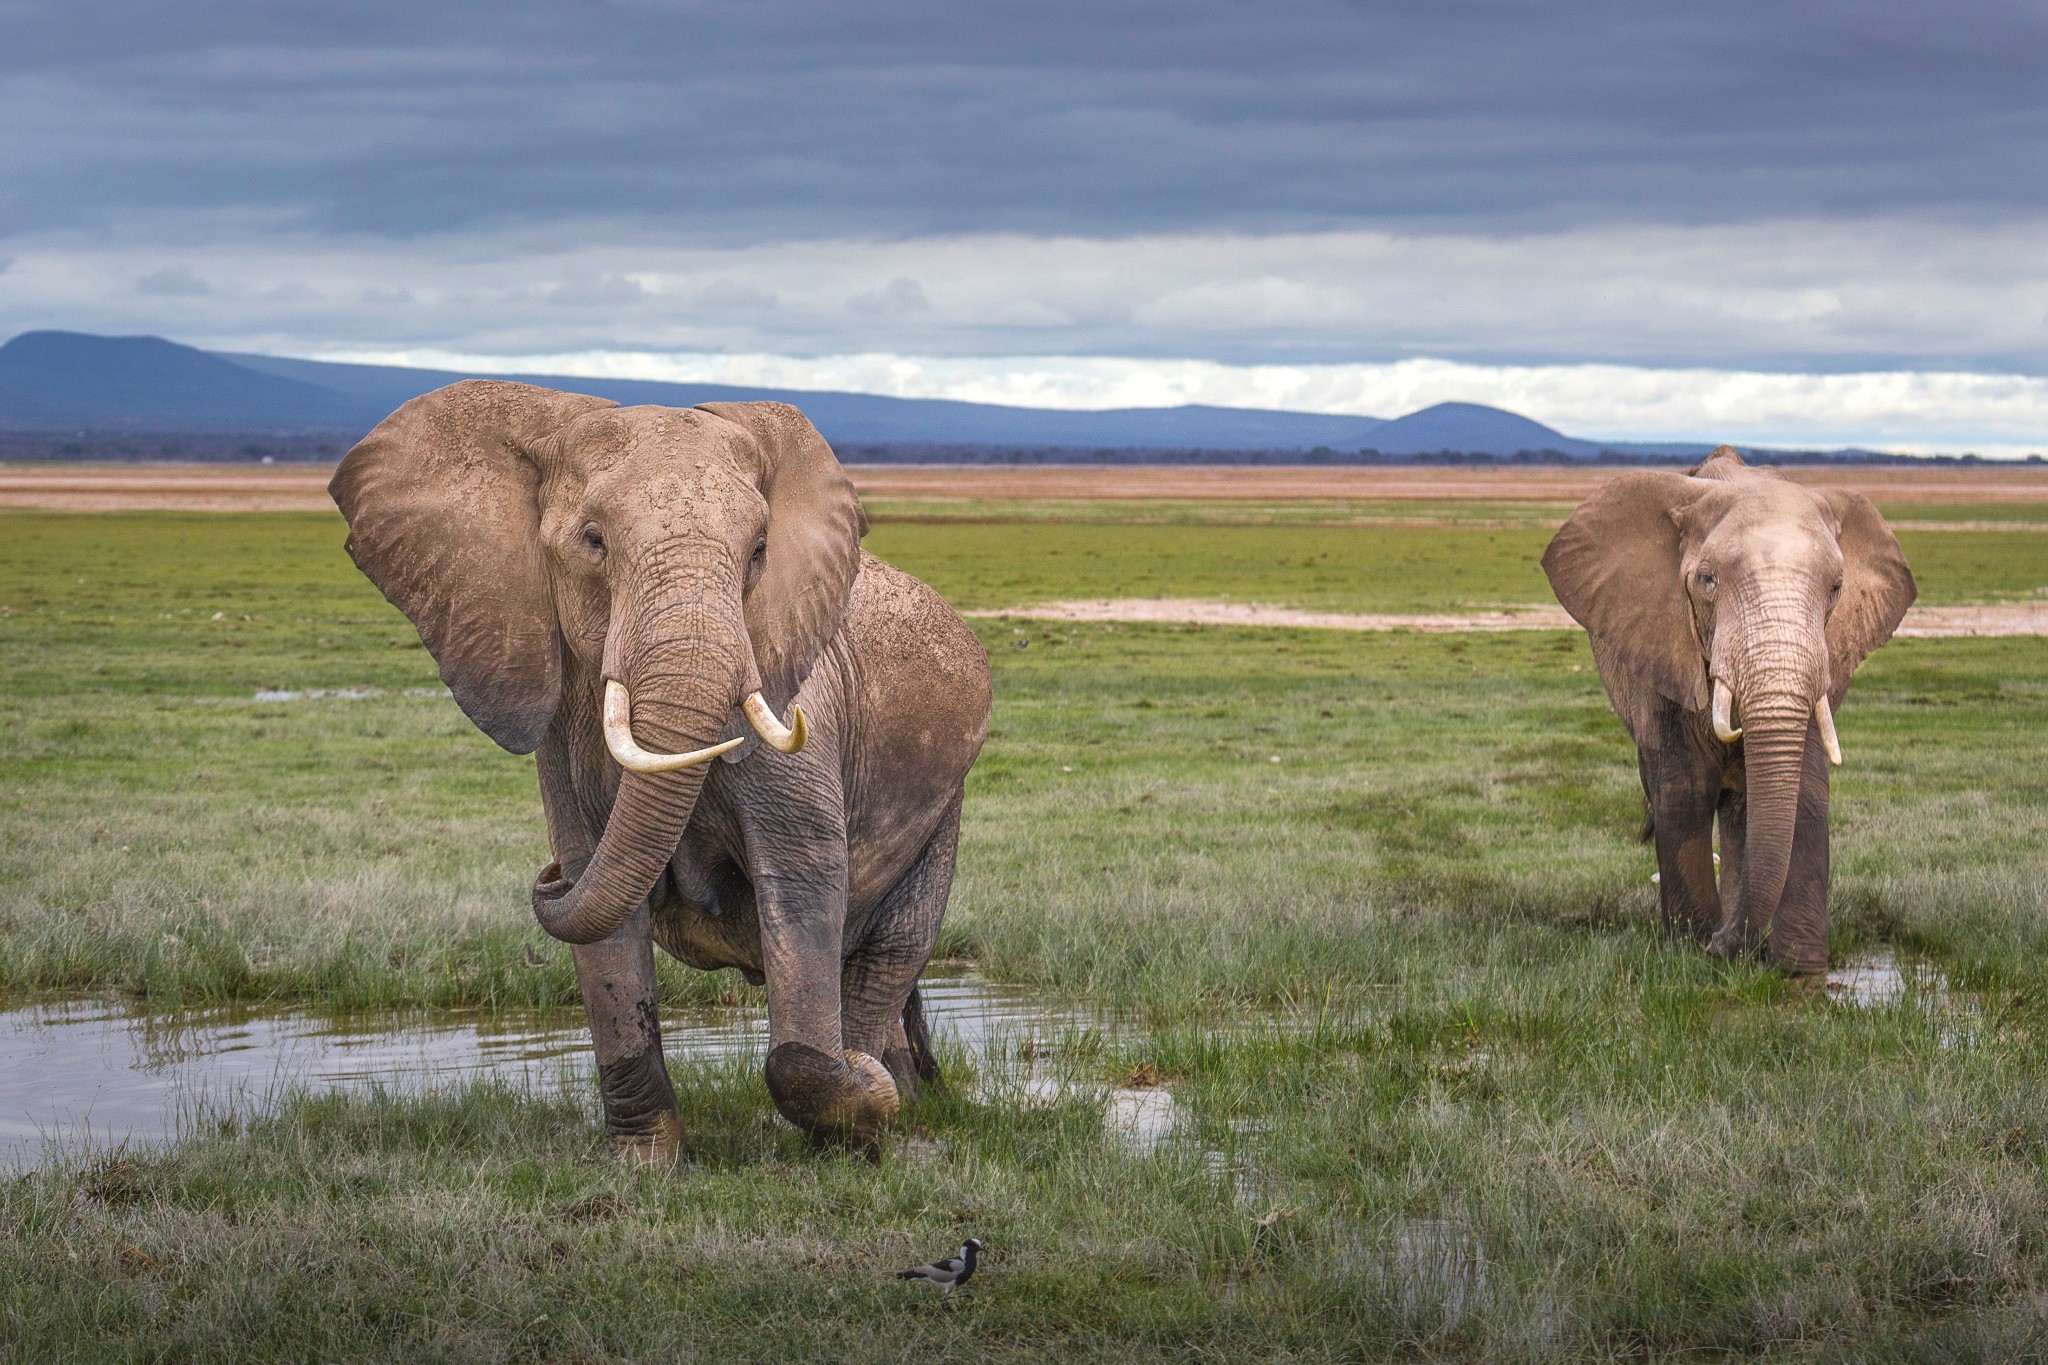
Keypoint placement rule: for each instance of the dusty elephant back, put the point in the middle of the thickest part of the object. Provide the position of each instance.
(920, 688)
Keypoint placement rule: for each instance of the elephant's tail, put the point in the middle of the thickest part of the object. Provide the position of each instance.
(919, 1036)
(1649, 830)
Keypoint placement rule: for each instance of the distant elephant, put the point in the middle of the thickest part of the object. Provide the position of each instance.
(637, 592)
(1727, 608)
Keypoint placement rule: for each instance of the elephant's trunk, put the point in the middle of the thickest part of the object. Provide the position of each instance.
(1774, 755)
(682, 686)
(1780, 674)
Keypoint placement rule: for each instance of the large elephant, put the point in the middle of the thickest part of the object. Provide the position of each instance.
(637, 592)
(1727, 609)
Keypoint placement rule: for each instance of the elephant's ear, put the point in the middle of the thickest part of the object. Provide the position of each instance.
(1877, 586)
(443, 515)
(1615, 566)
(815, 524)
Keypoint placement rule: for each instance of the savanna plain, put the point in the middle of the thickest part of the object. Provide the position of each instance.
(1371, 908)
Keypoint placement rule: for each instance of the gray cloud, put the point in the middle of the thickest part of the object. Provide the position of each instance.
(173, 279)
(1817, 186)
(899, 296)
(1808, 295)
(597, 291)
(802, 120)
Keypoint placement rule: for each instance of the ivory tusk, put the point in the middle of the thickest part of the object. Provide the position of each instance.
(1725, 728)
(1824, 716)
(783, 739)
(618, 737)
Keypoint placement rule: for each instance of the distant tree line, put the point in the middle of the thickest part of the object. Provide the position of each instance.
(319, 448)
(869, 452)
(182, 447)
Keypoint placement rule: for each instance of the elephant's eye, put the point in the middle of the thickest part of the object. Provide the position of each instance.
(759, 557)
(1706, 580)
(593, 541)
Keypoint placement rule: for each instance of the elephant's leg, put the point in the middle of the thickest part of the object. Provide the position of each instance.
(1734, 821)
(916, 1035)
(796, 853)
(1798, 941)
(881, 972)
(1683, 791)
(616, 976)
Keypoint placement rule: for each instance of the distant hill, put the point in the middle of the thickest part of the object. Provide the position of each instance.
(64, 381)
(864, 417)
(1473, 429)
(69, 379)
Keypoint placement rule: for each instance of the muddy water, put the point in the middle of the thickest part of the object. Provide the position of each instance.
(77, 1073)
(95, 1073)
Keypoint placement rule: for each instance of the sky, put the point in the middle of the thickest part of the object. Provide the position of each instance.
(1820, 223)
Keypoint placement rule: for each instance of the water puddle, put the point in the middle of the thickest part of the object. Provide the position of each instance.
(1881, 980)
(92, 1071)
(1140, 1119)
(1878, 979)
(1438, 1265)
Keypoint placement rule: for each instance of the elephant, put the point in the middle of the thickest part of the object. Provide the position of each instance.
(1727, 609)
(640, 594)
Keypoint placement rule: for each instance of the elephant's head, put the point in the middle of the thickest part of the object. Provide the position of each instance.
(694, 561)
(1736, 593)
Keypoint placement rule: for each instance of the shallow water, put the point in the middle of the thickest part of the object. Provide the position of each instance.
(1438, 1265)
(1880, 978)
(95, 1072)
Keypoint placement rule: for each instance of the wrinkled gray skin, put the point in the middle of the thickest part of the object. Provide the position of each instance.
(544, 542)
(1733, 573)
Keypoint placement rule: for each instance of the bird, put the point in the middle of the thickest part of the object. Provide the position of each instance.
(950, 1273)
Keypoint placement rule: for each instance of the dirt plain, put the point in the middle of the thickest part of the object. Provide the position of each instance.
(2000, 619)
(294, 487)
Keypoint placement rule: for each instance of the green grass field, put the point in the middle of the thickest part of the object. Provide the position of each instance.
(1445, 1093)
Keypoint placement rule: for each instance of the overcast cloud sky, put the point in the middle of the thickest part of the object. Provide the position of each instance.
(1817, 221)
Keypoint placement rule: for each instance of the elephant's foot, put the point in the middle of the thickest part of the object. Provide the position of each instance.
(851, 1097)
(659, 1145)
(1802, 971)
(901, 1064)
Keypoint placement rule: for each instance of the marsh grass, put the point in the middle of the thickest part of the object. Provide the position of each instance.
(1443, 1091)
(1667, 1169)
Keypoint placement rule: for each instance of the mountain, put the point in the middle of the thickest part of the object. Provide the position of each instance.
(52, 381)
(57, 380)
(1472, 428)
(69, 379)
(856, 418)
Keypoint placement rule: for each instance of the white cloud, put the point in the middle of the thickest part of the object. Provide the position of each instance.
(1998, 415)
(1883, 332)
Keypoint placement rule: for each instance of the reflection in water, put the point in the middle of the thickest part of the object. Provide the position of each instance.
(1438, 1265)
(1879, 978)
(94, 1071)
(1140, 1119)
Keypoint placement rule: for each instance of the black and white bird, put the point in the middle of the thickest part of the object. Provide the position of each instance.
(950, 1273)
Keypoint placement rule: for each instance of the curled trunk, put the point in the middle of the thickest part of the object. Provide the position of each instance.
(682, 690)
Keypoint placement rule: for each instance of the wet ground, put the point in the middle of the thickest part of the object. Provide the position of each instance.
(79, 1073)
(93, 1072)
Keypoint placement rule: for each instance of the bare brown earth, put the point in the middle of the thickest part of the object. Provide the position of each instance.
(190, 488)
(2015, 618)
(1941, 483)
(131, 487)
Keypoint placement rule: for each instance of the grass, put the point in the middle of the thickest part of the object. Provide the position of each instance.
(1462, 512)
(1444, 1091)
(1336, 568)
